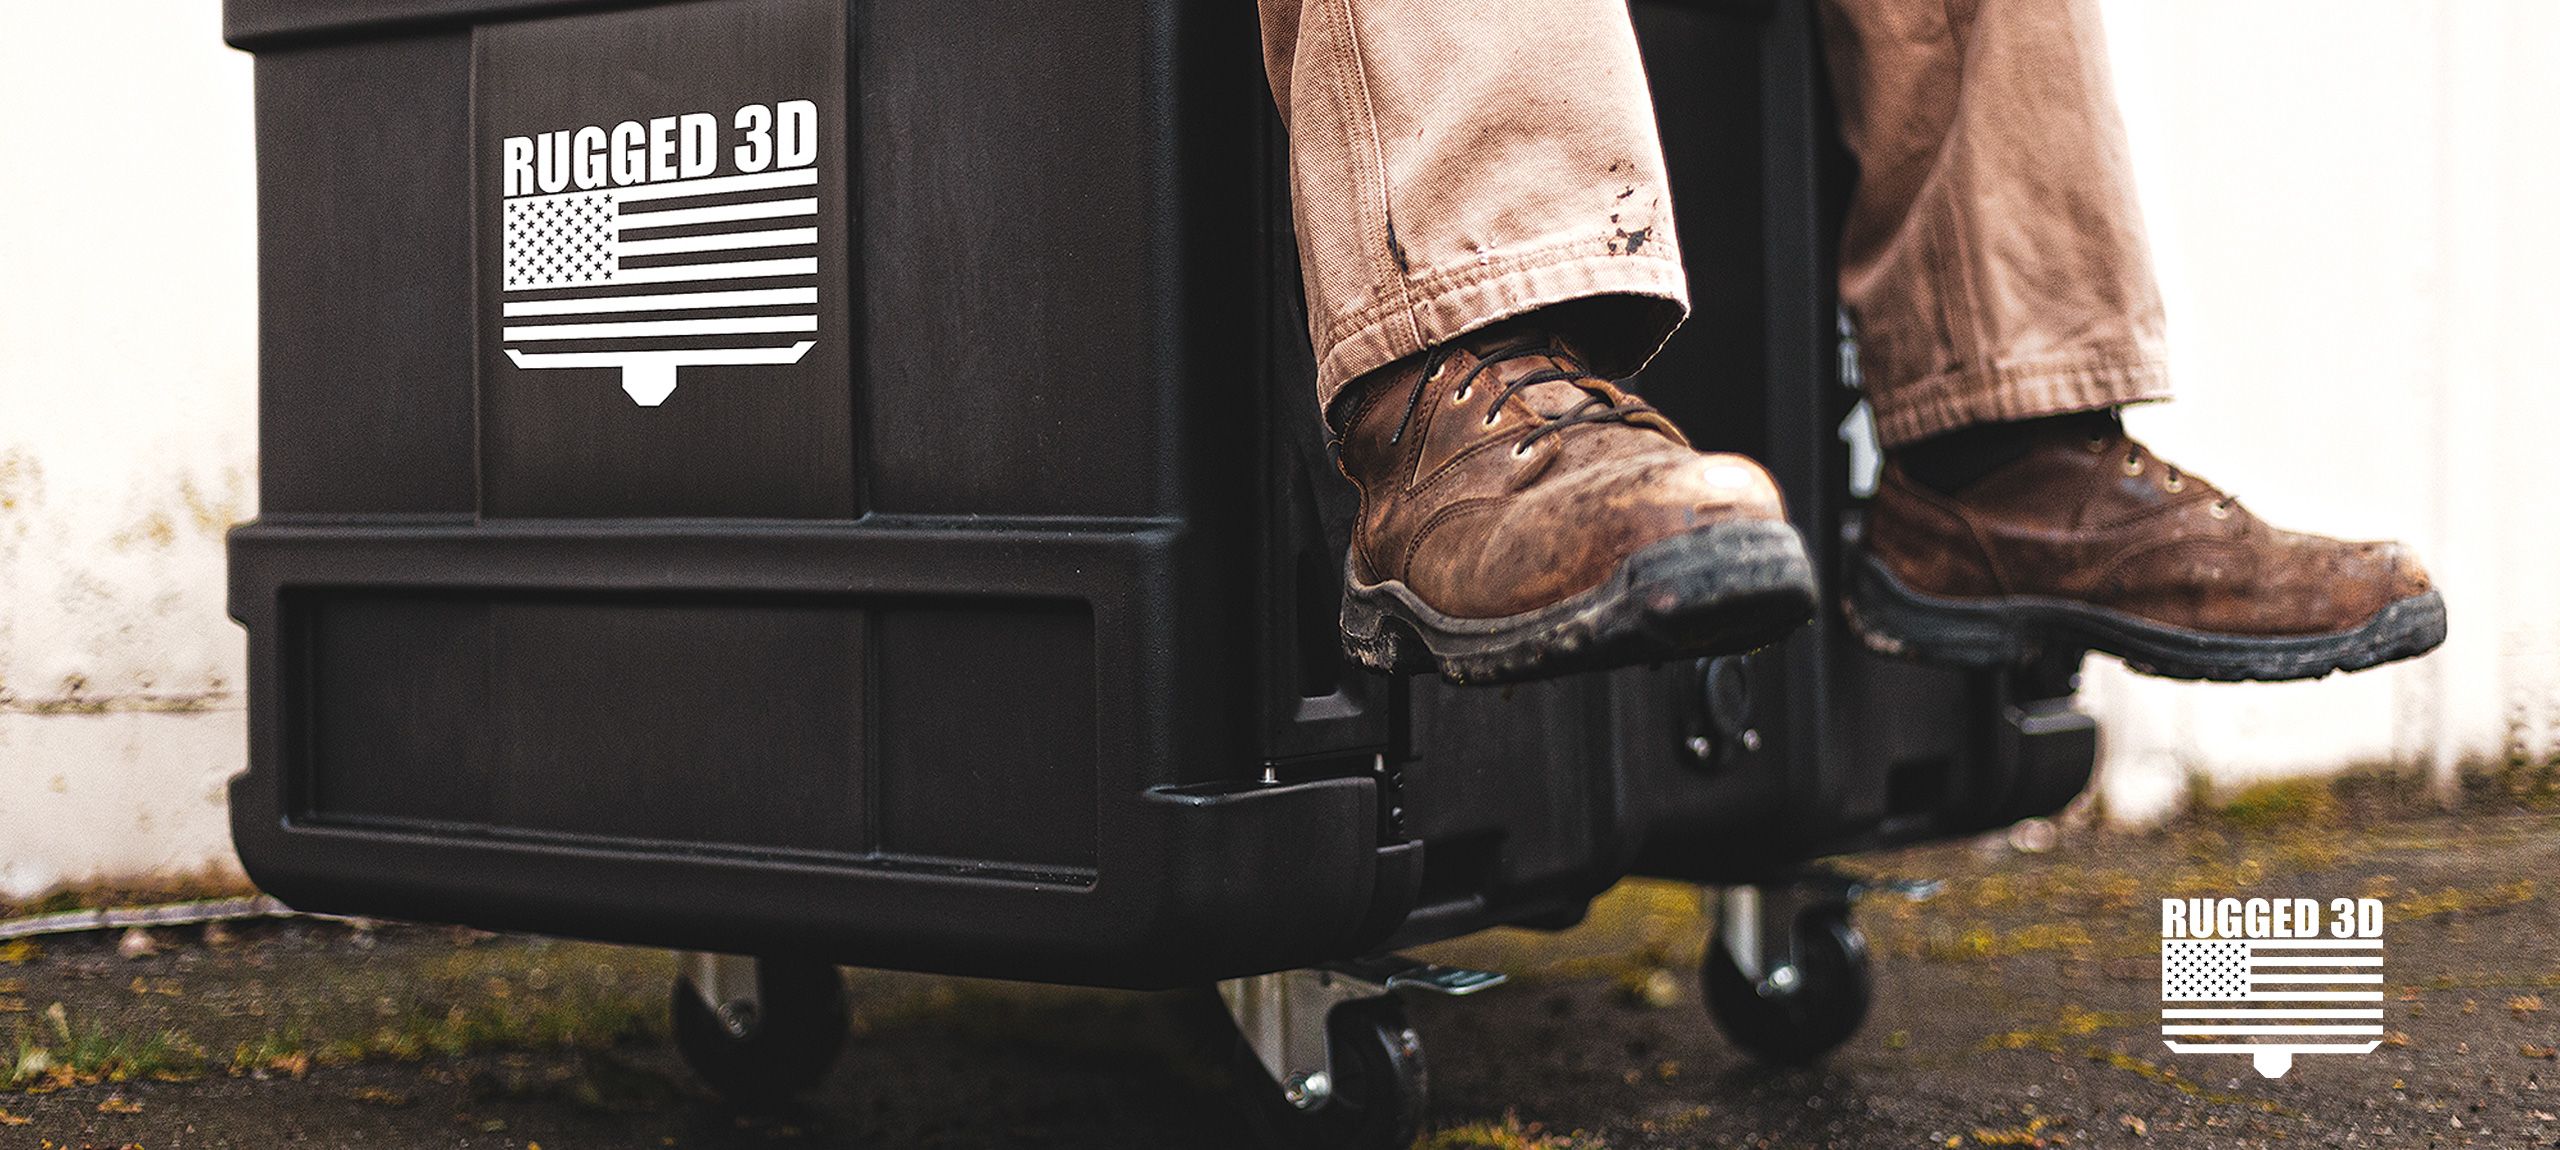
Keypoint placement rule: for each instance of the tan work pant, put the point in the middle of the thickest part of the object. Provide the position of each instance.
(1457, 164)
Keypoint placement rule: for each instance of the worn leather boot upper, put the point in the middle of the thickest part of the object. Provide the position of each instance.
(2094, 517)
(1497, 476)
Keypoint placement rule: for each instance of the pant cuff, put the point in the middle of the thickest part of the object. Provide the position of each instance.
(2055, 385)
(1653, 291)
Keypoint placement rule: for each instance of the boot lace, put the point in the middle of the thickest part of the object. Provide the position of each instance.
(1596, 406)
(2173, 477)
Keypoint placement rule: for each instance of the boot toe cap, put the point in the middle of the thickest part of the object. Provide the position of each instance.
(2402, 572)
(1727, 485)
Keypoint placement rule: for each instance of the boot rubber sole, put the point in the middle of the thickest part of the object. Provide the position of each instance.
(1721, 590)
(1893, 619)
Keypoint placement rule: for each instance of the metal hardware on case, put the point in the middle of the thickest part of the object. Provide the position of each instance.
(1282, 1015)
(1719, 724)
(728, 985)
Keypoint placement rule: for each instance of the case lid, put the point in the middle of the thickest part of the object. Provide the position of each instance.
(261, 24)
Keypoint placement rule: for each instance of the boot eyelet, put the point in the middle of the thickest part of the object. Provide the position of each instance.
(1460, 396)
(1520, 450)
(2221, 509)
(2175, 484)
(2133, 465)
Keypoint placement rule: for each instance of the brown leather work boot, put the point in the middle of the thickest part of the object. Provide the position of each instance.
(1521, 517)
(2088, 540)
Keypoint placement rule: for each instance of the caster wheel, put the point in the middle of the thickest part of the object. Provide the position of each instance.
(1376, 1097)
(1805, 1005)
(773, 1048)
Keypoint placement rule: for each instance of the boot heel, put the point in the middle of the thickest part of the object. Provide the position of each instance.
(1892, 619)
(1374, 638)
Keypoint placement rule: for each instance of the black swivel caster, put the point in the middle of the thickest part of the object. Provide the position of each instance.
(1325, 1059)
(759, 1030)
(1373, 1098)
(1786, 973)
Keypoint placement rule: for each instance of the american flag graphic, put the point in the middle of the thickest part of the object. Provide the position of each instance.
(651, 277)
(2271, 998)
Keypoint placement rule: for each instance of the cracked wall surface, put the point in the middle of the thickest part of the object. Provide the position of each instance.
(128, 360)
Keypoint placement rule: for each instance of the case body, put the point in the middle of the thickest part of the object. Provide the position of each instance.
(995, 634)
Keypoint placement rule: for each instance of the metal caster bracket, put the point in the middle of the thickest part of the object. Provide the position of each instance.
(1786, 974)
(1758, 922)
(1282, 1015)
(1912, 889)
(728, 985)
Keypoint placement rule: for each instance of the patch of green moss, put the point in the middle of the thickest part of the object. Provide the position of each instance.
(2029, 1134)
(1983, 943)
(55, 1053)
(206, 884)
(575, 1016)
(1508, 1134)
(286, 1053)
(2282, 804)
(2074, 1023)
(2460, 900)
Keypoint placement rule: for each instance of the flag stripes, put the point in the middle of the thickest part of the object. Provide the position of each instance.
(715, 242)
(2270, 1012)
(671, 301)
(717, 185)
(2318, 997)
(748, 269)
(726, 213)
(2289, 1028)
(723, 326)
(651, 277)
(2222, 994)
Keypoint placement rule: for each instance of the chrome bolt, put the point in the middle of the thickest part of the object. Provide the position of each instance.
(1751, 739)
(1308, 1091)
(1701, 746)
(1782, 979)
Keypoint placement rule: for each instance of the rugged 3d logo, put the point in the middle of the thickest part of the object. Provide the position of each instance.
(2271, 978)
(651, 245)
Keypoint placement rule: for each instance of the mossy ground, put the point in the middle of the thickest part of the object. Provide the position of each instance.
(2016, 1008)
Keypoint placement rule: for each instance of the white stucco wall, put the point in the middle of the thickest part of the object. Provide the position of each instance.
(127, 435)
(2350, 199)
(2351, 205)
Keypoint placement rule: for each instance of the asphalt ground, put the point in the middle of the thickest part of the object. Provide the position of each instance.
(2017, 1008)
